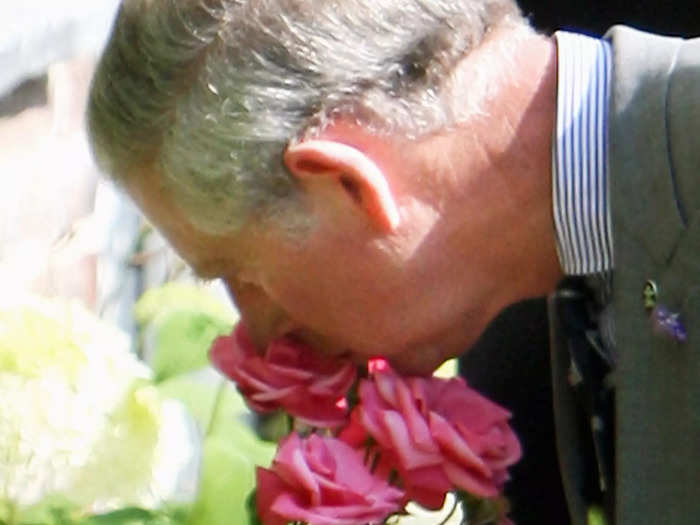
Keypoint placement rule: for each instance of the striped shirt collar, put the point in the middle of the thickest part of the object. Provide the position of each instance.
(579, 155)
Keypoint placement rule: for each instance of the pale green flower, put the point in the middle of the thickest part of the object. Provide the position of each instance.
(80, 417)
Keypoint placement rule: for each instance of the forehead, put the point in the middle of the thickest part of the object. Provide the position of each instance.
(210, 255)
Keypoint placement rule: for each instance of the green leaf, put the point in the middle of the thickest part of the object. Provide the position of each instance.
(176, 296)
(231, 449)
(53, 509)
(482, 511)
(181, 341)
(234, 423)
(596, 516)
(61, 516)
(251, 505)
(219, 410)
(197, 391)
(128, 516)
(228, 476)
(273, 426)
(138, 516)
(181, 321)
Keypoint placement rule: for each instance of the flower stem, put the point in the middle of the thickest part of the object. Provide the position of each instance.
(215, 408)
(11, 512)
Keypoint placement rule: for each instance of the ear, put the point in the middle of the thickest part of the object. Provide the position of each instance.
(354, 171)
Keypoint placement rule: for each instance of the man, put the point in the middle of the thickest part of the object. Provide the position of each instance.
(511, 361)
(385, 177)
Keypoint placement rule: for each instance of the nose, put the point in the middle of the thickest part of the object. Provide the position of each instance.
(264, 319)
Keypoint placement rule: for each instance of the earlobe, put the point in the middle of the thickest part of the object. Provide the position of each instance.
(354, 171)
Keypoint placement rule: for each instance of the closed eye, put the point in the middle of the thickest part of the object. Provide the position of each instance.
(210, 270)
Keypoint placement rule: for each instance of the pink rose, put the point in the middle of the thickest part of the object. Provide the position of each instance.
(288, 376)
(438, 433)
(322, 481)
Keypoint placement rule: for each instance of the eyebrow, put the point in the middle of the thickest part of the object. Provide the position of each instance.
(205, 275)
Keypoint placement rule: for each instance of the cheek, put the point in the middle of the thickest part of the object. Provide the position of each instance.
(301, 288)
(345, 291)
(327, 299)
(311, 277)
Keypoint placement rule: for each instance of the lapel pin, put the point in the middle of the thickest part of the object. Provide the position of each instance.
(664, 321)
(650, 294)
(668, 323)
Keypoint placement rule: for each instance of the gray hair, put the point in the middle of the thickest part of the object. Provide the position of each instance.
(210, 92)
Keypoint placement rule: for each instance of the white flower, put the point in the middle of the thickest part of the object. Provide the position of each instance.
(80, 417)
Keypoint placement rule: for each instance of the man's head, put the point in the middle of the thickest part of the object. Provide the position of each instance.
(211, 92)
(234, 123)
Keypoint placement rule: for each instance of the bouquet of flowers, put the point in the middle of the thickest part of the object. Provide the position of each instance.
(363, 445)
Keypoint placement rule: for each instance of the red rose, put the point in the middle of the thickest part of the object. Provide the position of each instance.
(322, 481)
(288, 376)
(438, 433)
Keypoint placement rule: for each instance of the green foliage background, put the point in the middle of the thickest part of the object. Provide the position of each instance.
(182, 321)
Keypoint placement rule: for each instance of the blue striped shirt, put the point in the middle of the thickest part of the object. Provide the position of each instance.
(582, 221)
(579, 155)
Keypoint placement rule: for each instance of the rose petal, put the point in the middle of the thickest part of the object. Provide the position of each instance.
(427, 486)
(292, 467)
(319, 457)
(354, 433)
(355, 473)
(457, 401)
(451, 442)
(289, 372)
(417, 386)
(342, 380)
(348, 492)
(315, 411)
(441, 432)
(244, 377)
(289, 376)
(470, 480)
(269, 487)
(287, 505)
(416, 423)
(410, 456)
(384, 383)
(221, 354)
(509, 452)
(266, 394)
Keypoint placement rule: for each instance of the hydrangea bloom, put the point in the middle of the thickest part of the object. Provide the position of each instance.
(79, 416)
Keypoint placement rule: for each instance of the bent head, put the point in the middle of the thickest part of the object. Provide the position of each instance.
(235, 123)
(211, 92)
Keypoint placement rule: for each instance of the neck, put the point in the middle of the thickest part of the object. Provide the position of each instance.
(504, 182)
(527, 173)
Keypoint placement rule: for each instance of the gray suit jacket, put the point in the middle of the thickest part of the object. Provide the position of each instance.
(654, 160)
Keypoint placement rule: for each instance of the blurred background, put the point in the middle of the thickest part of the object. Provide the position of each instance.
(67, 233)
(63, 229)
